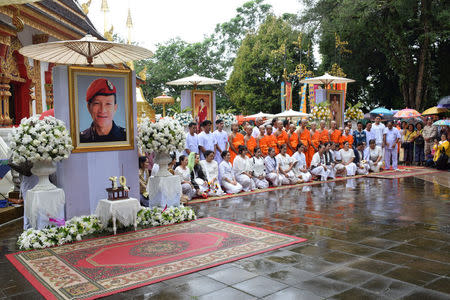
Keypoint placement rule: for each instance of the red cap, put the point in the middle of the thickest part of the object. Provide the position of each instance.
(101, 86)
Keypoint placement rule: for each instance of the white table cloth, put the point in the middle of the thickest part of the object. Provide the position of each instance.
(125, 211)
(40, 206)
(164, 191)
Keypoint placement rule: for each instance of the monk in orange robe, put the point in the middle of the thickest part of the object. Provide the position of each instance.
(281, 135)
(304, 137)
(262, 141)
(235, 139)
(293, 140)
(315, 140)
(335, 134)
(249, 141)
(324, 134)
(271, 139)
(346, 137)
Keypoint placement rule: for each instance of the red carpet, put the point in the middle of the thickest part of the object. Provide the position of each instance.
(104, 266)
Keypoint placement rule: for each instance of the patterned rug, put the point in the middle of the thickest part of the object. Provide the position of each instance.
(402, 172)
(108, 265)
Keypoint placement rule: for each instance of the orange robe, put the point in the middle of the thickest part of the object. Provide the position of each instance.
(324, 137)
(263, 144)
(305, 138)
(272, 142)
(282, 138)
(315, 140)
(336, 136)
(348, 138)
(251, 145)
(293, 142)
(236, 142)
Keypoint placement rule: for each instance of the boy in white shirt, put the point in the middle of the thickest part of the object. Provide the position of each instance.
(206, 140)
(221, 138)
(191, 140)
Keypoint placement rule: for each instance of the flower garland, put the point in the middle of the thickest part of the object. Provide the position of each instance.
(321, 112)
(183, 118)
(164, 135)
(228, 119)
(78, 227)
(354, 112)
(40, 140)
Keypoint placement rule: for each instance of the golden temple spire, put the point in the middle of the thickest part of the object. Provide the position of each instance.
(129, 25)
(105, 10)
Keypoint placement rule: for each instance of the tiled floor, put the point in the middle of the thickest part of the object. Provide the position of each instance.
(368, 239)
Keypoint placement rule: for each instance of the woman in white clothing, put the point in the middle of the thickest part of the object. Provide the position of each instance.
(187, 188)
(211, 169)
(300, 168)
(259, 169)
(347, 156)
(228, 181)
(242, 170)
(285, 166)
(318, 164)
(375, 157)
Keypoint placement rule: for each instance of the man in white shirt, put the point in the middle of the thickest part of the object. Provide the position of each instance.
(256, 132)
(191, 140)
(390, 139)
(369, 133)
(221, 138)
(206, 140)
(378, 131)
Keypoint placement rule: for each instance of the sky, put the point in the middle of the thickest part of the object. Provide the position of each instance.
(156, 21)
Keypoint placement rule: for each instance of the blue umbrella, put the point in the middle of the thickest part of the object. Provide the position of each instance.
(442, 123)
(382, 111)
(444, 102)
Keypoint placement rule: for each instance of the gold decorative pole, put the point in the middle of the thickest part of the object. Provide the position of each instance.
(105, 9)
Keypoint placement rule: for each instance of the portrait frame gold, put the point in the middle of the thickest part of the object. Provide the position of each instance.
(340, 114)
(77, 100)
(207, 95)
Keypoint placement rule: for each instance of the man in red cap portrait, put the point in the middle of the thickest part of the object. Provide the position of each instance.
(102, 105)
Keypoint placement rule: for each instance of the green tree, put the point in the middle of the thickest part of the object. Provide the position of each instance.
(254, 83)
(396, 47)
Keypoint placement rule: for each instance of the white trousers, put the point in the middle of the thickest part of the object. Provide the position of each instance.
(320, 171)
(261, 183)
(305, 176)
(332, 170)
(351, 169)
(364, 171)
(247, 183)
(289, 178)
(375, 167)
(231, 188)
(273, 178)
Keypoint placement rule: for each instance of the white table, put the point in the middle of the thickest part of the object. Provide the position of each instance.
(42, 205)
(123, 210)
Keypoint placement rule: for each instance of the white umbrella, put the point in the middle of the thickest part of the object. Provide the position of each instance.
(260, 115)
(195, 80)
(291, 113)
(11, 2)
(326, 79)
(88, 50)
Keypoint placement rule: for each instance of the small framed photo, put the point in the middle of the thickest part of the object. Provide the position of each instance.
(101, 109)
(202, 106)
(336, 100)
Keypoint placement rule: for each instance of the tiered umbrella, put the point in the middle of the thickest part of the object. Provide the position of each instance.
(195, 80)
(407, 113)
(292, 113)
(327, 79)
(434, 111)
(260, 115)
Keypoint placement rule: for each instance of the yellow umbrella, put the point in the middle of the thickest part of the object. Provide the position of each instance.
(163, 99)
(434, 111)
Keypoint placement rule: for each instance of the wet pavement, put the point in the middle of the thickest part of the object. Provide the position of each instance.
(367, 239)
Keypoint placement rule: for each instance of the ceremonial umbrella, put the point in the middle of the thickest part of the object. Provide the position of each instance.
(442, 123)
(326, 79)
(88, 50)
(291, 113)
(444, 102)
(260, 115)
(195, 80)
(407, 113)
(434, 111)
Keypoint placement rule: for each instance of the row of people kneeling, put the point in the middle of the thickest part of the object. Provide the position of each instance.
(206, 177)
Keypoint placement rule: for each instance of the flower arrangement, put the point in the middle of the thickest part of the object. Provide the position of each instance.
(78, 227)
(321, 112)
(40, 140)
(354, 112)
(164, 135)
(227, 118)
(183, 118)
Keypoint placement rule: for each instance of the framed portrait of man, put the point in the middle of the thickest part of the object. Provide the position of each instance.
(202, 106)
(101, 109)
(336, 100)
